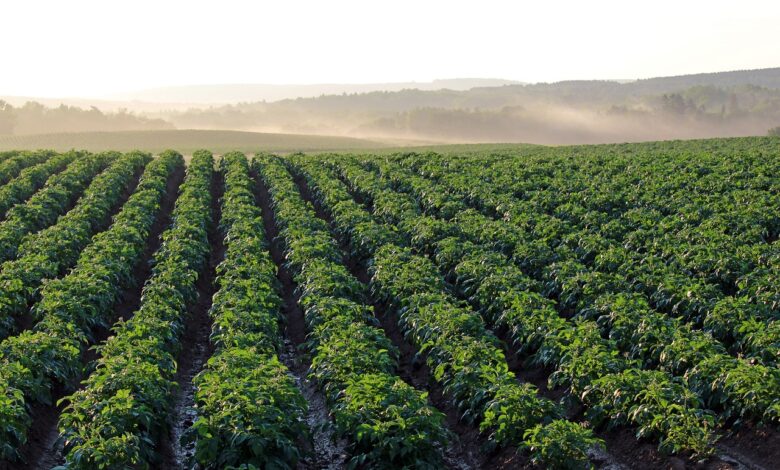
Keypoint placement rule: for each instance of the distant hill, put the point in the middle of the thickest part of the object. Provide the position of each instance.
(240, 93)
(767, 78)
(724, 104)
(727, 104)
(596, 90)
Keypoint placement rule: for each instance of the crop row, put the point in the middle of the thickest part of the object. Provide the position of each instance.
(581, 359)
(43, 208)
(32, 362)
(688, 261)
(686, 197)
(249, 409)
(389, 423)
(731, 385)
(120, 414)
(48, 253)
(465, 357)
(522, 317)
(704, 216)
(11, 167)
(8, 154)
(736, 387)
(693, 254)
(31, 179)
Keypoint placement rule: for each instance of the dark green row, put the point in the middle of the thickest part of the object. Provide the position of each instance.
(121, 412)
(32, 362)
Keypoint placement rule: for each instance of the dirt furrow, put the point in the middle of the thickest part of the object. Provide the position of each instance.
(196, 347)
(43, 449)
(327, 452)
(463, 452)
(538, 376)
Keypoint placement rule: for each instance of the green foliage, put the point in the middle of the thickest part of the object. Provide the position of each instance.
(49, 252)
(463, 356)
(123, 400)
(643, 278)
(469, 254)
(561, 444)
(684, 249)
(513, 411)
(44, 207)
(392, 424)
(12, 166)
(31, 179)
(250, 411)
(33, 361)
(662, 408)
(388, 422)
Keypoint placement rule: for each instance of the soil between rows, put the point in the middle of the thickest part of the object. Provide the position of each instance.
(324, 452)
(196, 347)
(469, 449)
(42, 450)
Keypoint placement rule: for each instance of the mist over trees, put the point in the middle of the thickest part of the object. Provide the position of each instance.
(35, 118)
(728, 104)
(566, 112)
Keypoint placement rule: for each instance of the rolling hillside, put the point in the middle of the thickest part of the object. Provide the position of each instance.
(185, 141)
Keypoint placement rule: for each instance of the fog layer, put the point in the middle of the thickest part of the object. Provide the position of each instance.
(695, 106)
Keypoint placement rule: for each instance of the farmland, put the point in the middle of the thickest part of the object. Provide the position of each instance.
(609, 306)
(185, 141)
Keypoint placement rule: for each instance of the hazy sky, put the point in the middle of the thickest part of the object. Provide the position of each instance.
(92, 48)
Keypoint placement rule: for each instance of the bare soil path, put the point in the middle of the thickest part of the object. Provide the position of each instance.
(326, 452)
(196, 347)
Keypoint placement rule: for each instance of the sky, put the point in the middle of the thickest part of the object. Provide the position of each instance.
(92, 49)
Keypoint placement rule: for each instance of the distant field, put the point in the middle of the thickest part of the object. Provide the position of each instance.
(457, 149)
(185, 141)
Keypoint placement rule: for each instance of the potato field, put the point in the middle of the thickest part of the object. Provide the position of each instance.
(611, 306)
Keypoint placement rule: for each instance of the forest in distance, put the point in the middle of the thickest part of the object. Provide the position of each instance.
(727, 104)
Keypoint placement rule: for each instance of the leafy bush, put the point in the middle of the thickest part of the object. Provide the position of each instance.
(389, 423)
(561, 444)
(33, 361)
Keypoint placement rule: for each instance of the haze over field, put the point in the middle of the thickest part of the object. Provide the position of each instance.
(558, 72)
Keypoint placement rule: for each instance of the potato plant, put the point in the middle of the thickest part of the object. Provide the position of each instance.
(45, 206)
(48, 253)
(33, 361)
(31, 179)
(13, 166)
(463, 355)
(639, 281)
(121, 403)
(676, 342)
(388, 422)
(249, 408)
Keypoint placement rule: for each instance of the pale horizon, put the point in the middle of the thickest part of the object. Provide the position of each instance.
(92, 49)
